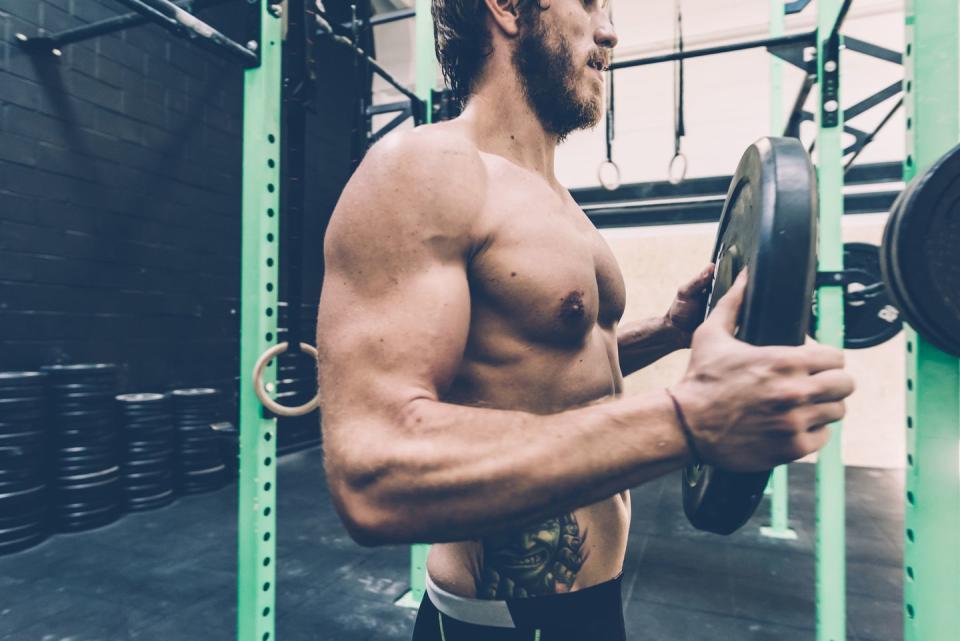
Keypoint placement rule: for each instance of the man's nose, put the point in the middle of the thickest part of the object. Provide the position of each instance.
(605, 35)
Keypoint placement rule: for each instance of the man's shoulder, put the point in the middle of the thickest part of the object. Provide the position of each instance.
(438, 153)
(427, 181)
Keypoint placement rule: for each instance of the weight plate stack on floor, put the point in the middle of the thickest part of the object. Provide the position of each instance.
(85, 480)
(23, 460)
(148, 450)
(919, 253)
(229, 440)
(200, 466)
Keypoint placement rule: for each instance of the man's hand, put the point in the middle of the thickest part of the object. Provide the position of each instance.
(689, 307)
(753, 408)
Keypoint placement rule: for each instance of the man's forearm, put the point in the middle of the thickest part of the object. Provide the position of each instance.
(461, 472)
(643, 342)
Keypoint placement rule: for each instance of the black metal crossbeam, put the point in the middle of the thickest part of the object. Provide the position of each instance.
(48, 43)
(805, 38)
(185, 24)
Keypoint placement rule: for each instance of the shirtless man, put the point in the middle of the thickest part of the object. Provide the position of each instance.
(471, 359)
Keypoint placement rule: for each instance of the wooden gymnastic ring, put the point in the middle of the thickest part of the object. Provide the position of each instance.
(269, 403)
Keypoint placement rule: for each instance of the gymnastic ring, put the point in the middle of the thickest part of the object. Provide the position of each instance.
(609, 185)
(680, 160)
(269, 403)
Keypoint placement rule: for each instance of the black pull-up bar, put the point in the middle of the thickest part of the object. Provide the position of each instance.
(53, 43)
(185, 24)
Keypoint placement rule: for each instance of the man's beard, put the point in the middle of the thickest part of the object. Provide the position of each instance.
(550, 81)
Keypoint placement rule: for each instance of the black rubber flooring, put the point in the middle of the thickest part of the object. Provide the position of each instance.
(169, 575)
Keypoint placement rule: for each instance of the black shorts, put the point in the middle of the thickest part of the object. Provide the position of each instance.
(590, 614)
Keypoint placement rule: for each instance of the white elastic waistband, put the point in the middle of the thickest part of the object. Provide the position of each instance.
(475, 611)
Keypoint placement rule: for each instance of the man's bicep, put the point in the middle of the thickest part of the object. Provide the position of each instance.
(384, 346)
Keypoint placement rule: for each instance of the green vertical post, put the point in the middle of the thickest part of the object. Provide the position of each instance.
(778, 488)
(831, 535)
(256, 527)
(426, 74)
(931, 550)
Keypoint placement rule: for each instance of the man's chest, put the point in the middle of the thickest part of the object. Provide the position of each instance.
(548, 269)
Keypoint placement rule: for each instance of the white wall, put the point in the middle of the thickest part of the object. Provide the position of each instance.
(727, 96)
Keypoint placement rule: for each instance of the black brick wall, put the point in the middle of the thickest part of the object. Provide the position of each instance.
(120, 184)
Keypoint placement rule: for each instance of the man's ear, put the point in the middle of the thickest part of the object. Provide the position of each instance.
(505, 13)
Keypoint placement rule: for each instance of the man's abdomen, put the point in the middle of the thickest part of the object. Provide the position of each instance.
(560, 554)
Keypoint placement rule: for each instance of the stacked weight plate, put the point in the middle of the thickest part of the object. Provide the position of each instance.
(85, 475)
(200, 466)
(23, 460)
(149, 445)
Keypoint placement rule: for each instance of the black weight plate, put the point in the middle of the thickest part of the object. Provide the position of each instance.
(23, 544)
(23, 530)
(80, 370)
(84, 520)
(151, 503)
(18, 501)
(769, 224)
(146, 489)
(871, 318)
(34, 514)
(923, 268)
(891, 268)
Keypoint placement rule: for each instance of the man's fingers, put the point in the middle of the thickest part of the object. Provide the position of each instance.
(820, 358)
(698, 284)
(830, 385)
(727, 310)
(821, 414)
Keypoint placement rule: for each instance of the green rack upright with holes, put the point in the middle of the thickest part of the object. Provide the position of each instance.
(931, 549)
(258, 331)
(830, 510)
(779, 527)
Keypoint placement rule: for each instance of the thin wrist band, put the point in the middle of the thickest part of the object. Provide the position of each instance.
(685, 428)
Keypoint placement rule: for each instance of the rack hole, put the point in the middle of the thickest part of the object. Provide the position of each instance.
(266, 636)
(267, 436)
(271, 163)
(909, 383)
(271, 212)
(909, 123)
(266, 611)
(909, 48)
(909, 422)
(269, 311)
(269, 238)
(269, 262)
(266, 561)
(271, 188)
(910, 459)
(910, 611)
(267, 511)
(267, 486)
(269, 287)
(910, 572)
(266, 586)
(269, 336)
(910, 498)
(910, 536)
(270, 137)
(266, 536)
(909, 85)
(909, 346)
(267, 461)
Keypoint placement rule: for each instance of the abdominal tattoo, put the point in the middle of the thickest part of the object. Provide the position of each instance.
(542, 558)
